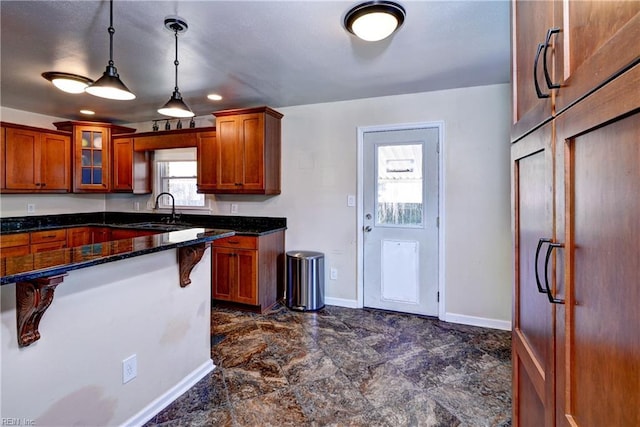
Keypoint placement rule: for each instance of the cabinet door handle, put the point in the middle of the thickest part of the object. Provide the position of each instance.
(233, 242)
(535, 73)
(547, 43)
(552, 299)
(535, 266)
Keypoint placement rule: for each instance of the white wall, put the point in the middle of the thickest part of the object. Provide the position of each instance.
(319, 171)
(99, 316)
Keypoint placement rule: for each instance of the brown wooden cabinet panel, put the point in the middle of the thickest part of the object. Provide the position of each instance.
(597, 40)
(14, 245)
(223, 271)
(3, 148)
(244, 157)
(577, 355)
(55, 162)
(79, 236)
(533, 359)
(131, 169)
(598, 351)
(47, 236)
(22, 159)
(92, 154)
(246, 276)
(36, 160)
(529, 24)
(207, 161)
(246, 270)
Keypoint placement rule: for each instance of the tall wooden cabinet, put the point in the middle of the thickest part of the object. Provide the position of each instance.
(576, 216)
(35, 160)
(244, 157)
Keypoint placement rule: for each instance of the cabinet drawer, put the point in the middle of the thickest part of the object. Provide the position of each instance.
(14, 251)
(241, 242)
(11, 240)
(48, 246)
(48, 236)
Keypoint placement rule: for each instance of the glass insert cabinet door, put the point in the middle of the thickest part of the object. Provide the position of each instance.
(92, 159)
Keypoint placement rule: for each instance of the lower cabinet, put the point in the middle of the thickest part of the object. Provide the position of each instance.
(247, 270)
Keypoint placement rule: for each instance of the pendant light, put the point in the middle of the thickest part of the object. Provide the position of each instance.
(109, 85)
(374, 20)
(176, 107)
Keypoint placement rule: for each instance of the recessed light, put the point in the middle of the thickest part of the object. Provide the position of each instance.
(214, 97)
(87, 112)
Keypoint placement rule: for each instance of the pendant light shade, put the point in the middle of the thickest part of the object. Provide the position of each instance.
(374, 20)
(109, 85)
(66, 82)
(176, 107)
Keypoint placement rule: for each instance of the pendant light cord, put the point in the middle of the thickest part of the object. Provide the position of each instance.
(176, 28)
(111, 31)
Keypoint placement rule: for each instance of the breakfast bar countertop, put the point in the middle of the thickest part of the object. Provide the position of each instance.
(59, 261)
(183, 230)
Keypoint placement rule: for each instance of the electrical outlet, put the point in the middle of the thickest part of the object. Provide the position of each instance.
(334, 273)
(129, 368)
(31, 208)
(136, 206)
(234, 208)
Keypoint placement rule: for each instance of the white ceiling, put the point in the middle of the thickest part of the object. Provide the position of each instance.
(276, 53)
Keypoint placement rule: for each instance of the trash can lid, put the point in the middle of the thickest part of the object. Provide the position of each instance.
(305, 254)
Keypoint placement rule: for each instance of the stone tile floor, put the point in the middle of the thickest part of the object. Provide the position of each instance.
(348, 367)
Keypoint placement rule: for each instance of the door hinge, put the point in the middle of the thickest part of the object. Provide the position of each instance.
(438, 148)
(438, 297)
(437, 222)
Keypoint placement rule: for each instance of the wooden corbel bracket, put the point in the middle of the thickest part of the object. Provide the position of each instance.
(32, 300)
(188, 257)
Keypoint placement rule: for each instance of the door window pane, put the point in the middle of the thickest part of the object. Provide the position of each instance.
(400, 185)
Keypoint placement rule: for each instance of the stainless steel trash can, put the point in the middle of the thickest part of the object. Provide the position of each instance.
(305, 280)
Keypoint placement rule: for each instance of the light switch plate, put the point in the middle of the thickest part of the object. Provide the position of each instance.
(351, 200)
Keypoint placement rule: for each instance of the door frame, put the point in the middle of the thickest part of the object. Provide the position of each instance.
(361, 130)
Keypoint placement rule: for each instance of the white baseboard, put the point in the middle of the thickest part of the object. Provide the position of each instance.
(172, 394)
(505, 325)
(341, 302)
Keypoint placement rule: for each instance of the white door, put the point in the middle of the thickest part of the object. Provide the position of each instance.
(400, 208)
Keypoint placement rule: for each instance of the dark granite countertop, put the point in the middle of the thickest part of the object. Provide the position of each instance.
(244, 225)
(54, 262)
(184, 231)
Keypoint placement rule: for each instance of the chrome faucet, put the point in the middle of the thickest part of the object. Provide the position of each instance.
(173, 204)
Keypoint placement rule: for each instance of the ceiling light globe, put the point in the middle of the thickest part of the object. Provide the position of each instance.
(69, 86)
(375, 26)
(374, 20)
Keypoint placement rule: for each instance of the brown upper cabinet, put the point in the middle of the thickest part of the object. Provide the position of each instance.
(563, 51)
(131, 169)
(243, 157)
(92, 154)
(35, 160)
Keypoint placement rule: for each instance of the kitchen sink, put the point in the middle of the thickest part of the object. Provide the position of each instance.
(162, 226)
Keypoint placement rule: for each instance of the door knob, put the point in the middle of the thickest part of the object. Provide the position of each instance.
(367, 228)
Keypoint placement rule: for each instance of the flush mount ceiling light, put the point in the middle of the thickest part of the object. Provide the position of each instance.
(109, 85)
(374, 20)
(176, 107)
(214, 97)
(70, 83)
